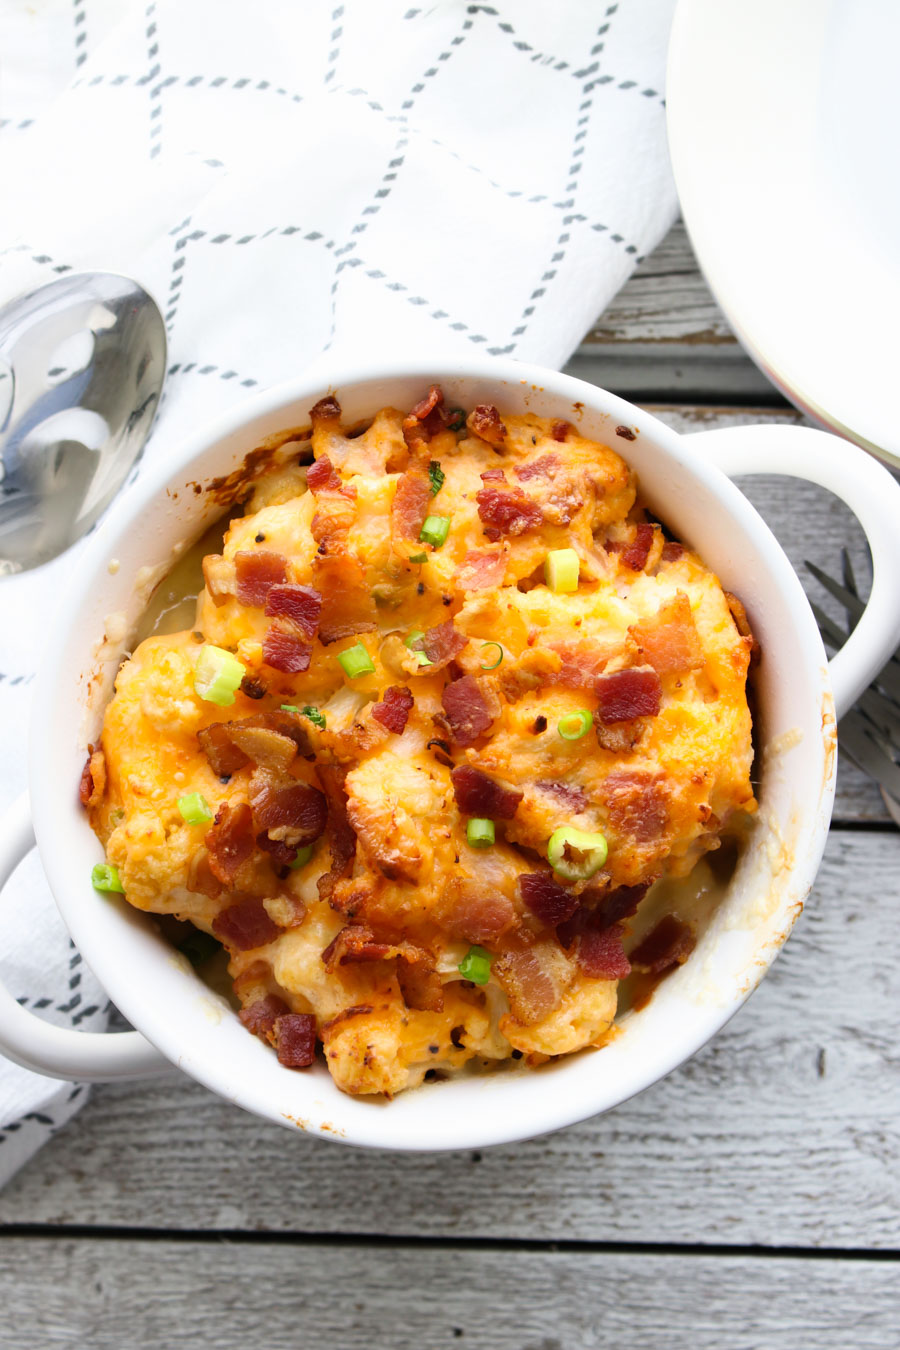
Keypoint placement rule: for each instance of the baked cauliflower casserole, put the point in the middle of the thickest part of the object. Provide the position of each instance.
(452, 702)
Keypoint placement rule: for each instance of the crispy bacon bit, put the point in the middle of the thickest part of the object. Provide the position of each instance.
(282, 854)
(637, 803)
(601, 955)
(358, 943)
(543, 467)
(620, 739)
(326, 410)
(348, 606)
(442, 752)
(569, 794)
(442, 645)
(425, 420)
(560, 430)
(218, 574)
(260, 1017)
(301, 604)
(257, 571)
(295, 810)
(482, 568)
(322, 477)
(493, 476)
(478, 795)
(245, 925)
(669, 641)
(528, 985)
(394, 709)
(626, 694)
(421, 989)
(742, 623)
(582, 664)
(86, 785)
(252, 688)
(466, 709)
(475, 913)
(485, 421)
(507, 511)
(343, 836)
(626, 433)
(635, 554)
(93, 779)
(546, 899)
(262, 743)
(283, 650)
(409, 508)
(223, 742)
(670, 943)
(295, 1040)
(672, 550)
(612, 906)
(229, 841)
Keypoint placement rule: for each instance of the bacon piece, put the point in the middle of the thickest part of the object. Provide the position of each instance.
(343, 836)
(421, 989)
(544, 466)
(245, 925)
(409, 508)
(301, 604)
(394, 709)
(425, 420)
(620, 903)
(575, 798)
(627, 433)
(282, 854)
(547, 900)
(672, 550)
(229, 841)
(442, 644)
(635, 554)
(93, 779)
(475, 913)
(620, 739)
(669, 641)
(507, 511)
(560, 430)
(484, 421)
(466, 709)
(481, 569)
(601, 955)
(257, 571)
(742, 623)
(478, 795)
(637, 803)
(253, 688)
(259, 1018)
(263, 744)
(295, 1040)
(357, 943)
(326, 410)
(531, 991)
(322, 477)
(348, 606)
(297, 812)
(493, 476)
(224, 756)
(335, 505)
(582, 664)
(283, 650)
(669, 943)
(218, 575)
(626, 694)
(223, 742)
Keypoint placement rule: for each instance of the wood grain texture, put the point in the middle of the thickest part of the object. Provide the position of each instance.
(785, 1130)
(155, 1295)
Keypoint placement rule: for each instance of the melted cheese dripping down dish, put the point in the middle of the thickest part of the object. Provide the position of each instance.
(436, 644)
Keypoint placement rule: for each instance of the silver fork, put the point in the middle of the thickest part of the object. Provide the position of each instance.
(870, 732)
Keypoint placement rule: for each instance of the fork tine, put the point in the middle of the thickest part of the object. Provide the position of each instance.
(851, 602)
(883, 715)
(888, 678)
(858, 742)
(849, 580)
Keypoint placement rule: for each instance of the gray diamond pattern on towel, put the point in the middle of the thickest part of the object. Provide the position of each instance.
(299, 183)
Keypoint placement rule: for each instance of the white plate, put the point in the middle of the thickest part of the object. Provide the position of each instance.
(785, 136)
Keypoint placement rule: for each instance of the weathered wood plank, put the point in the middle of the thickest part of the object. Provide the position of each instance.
(158, 1294)
(785, 1131)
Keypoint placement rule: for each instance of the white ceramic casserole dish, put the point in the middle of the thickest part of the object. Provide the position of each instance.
(684, 481)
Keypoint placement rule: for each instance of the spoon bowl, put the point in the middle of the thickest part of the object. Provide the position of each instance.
(82, 366)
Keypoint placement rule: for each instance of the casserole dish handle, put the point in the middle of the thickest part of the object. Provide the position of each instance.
(61, 1052)
(873, 496)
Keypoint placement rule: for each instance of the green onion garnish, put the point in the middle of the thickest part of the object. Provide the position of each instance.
(356, 661)
(480, 833)
(435, 530)
(217, 675)
(476, 965)
(303, 856)
(199, 947)
(457, 419)
(289, 707)
(419, 558)
(561, 570)
(492, 665)
(105, 877)
(575, 725)
(194, 808)
(576, 854)
(313, 714)
(416, 636)
(437, 476)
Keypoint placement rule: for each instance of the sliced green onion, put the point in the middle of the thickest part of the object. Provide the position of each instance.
(105, 877)
(575, 725)
(303, 856)
(194, 808)
(437, 476)
(416, 636)
(435, 530)
(217, 675)
(311, 712)
(576, 854)
(289, 707)
(356, 661)
(480, 833)
(476, 965)
(561, 570)
(419, 558)
(493, 664)
(199, 947)
(457, 419)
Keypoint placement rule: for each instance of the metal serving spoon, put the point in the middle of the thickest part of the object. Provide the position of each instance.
(82, 365)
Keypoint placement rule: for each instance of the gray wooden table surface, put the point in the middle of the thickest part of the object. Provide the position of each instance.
(752, 1199)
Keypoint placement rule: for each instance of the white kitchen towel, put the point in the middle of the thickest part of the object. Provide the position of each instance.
(292, 177)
